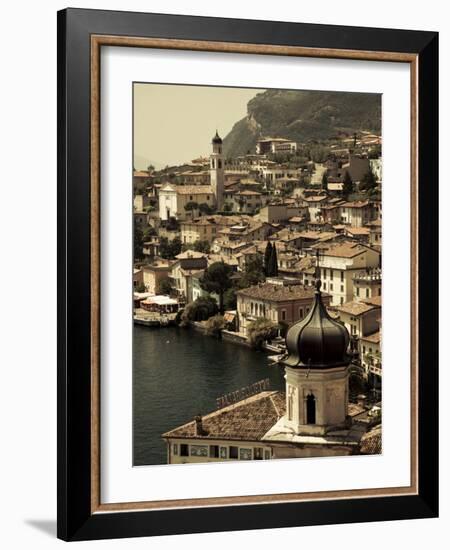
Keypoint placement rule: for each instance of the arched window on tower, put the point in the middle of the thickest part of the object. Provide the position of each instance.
(310, 409)
(212, 163)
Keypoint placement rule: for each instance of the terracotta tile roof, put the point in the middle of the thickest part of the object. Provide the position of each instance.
(355, 204)
(249, 193)
(371, 442)
(278, 293)
(374, 338)
(374, 301)
(315, 198)
(345, 250)
(194, 189)
(248, 420)
(355, 308)
(358, 230)
(190, 254)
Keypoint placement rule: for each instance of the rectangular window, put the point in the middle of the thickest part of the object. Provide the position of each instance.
(342, 288)
(175, 448)
(184, 450)
(300, 313)
(214, 451)
(357, 291)
(331, 286)
(283, 315)
(199, 450)
(341, 300)
(325, 285)
(331, 273)
(245, 454)
(266, 455)
(234, 452)
(257, 453)
(367, 293)
(342, 275)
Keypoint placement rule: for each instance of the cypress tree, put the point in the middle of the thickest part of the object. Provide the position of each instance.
(274, 262)
(267, 255)
(348, 187)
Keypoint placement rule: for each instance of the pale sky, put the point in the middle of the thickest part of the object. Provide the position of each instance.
(174, 124)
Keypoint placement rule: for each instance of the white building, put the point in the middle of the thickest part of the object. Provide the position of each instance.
(339, 263)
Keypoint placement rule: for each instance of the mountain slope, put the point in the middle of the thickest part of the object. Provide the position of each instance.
(302, 116)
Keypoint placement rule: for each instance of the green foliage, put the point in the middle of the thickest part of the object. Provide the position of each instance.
(216, 279)
(202, 246)
(215, 325)
(205, 209)
(303, 116)
(169, 249)
(199, 310)
(148, 233)
(325, 181)
(272, 266)
(230, 299)
(140, 288)
(267, 255)
(227, 207)
(348, 186)
(253, 273)
(368, 182)
(172, 224)
(165, 286)
(190, 206)
(260, 331)
(138, 242)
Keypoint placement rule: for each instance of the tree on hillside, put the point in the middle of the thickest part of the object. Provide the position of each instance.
(253, 273)
(348, 187)
(202, 246)
(273, 263)
(138, 243)
(191, 206)
(169, 249)
(205, 209)
(217, 280)
(325, 181)
(267, 255)
(230, 299)
(368, 181)
(165, 286)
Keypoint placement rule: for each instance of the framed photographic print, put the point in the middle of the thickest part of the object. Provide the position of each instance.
(247, 274)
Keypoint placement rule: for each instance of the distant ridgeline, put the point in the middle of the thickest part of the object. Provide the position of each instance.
(302, 116)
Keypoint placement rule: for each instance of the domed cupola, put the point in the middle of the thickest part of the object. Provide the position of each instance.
(317, 342)
(217, 139)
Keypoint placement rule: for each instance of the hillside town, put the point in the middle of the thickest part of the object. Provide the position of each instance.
(252, 250)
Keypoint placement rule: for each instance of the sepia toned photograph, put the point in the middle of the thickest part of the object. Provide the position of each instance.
(257, 281)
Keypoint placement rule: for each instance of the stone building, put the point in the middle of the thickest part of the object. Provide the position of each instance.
(281, 302)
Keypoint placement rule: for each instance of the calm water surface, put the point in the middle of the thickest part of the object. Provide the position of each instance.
(179, 373)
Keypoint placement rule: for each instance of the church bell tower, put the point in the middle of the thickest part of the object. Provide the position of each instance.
(316, 372)
(216, 170)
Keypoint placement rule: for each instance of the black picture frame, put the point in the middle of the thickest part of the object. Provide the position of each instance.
(75, 518)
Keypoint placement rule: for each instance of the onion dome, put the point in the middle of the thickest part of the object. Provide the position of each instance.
(217, 139)
(318, 341)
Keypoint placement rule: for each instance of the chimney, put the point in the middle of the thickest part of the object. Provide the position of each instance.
(199, 425)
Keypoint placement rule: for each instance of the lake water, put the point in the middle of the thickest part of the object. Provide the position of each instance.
(179, 373)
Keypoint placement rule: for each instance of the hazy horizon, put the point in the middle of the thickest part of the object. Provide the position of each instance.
(175, 123)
